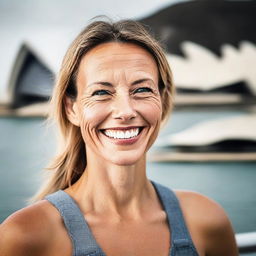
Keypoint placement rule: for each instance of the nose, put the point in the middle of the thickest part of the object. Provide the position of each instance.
(123, 108)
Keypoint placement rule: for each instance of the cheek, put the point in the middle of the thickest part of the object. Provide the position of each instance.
(151, 110)
(91, 118)
(94, 114)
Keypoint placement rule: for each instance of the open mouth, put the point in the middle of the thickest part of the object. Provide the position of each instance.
(128, 133)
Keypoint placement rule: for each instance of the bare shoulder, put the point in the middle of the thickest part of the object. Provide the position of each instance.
(28, 231)
(208, 212)
(208, 223)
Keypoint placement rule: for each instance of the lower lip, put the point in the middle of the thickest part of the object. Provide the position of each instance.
(125, 141)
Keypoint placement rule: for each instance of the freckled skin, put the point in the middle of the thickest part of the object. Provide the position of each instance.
(119, 65)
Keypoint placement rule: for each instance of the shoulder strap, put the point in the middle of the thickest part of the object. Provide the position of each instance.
(79, 232)
(180, 236)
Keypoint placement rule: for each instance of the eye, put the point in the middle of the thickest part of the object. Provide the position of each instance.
(100, 93)
(143, 89)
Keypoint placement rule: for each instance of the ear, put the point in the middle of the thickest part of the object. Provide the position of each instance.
(71, 109)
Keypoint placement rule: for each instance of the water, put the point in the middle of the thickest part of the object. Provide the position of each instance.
(232, 185)
(26, 147)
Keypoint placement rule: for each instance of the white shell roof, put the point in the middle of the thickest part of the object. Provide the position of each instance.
(49, 26)
(213, 131)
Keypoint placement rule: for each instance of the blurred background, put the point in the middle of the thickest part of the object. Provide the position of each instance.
(209, 143)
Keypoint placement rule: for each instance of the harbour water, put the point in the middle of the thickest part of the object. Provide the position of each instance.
(26, 146)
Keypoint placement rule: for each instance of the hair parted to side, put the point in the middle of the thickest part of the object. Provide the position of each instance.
(70, 163)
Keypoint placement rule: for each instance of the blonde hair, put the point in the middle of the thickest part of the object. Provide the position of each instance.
(70, 163)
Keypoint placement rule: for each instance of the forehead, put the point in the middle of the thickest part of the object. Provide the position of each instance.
(115, 56)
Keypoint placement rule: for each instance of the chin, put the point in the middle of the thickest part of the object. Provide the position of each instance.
(125, 158)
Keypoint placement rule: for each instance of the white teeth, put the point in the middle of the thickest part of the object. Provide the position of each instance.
(122, 134)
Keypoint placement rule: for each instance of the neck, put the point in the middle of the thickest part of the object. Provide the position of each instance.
(112, 189)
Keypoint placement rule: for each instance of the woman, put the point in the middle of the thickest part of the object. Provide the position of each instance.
(112, 94)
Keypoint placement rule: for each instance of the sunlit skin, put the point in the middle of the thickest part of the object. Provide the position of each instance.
(117, 90)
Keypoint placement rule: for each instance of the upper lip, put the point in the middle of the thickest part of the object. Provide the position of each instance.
(122, 128)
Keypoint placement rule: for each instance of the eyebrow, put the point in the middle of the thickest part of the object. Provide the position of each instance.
(141, 81)
(101, 83)
(111, 85)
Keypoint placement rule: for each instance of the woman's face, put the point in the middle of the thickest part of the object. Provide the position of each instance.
(118, 107)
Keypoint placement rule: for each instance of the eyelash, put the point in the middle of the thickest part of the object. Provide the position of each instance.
(99, 93)
(105, 92)
(143, 88)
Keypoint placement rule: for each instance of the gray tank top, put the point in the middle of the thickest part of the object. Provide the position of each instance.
(84, 243)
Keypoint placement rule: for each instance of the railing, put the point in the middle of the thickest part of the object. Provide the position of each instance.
(246, 242)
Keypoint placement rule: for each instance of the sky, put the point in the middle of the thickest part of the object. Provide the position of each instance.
(50, 25)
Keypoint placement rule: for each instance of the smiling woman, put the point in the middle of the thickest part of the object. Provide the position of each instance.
(118, 104)
(113, 92)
